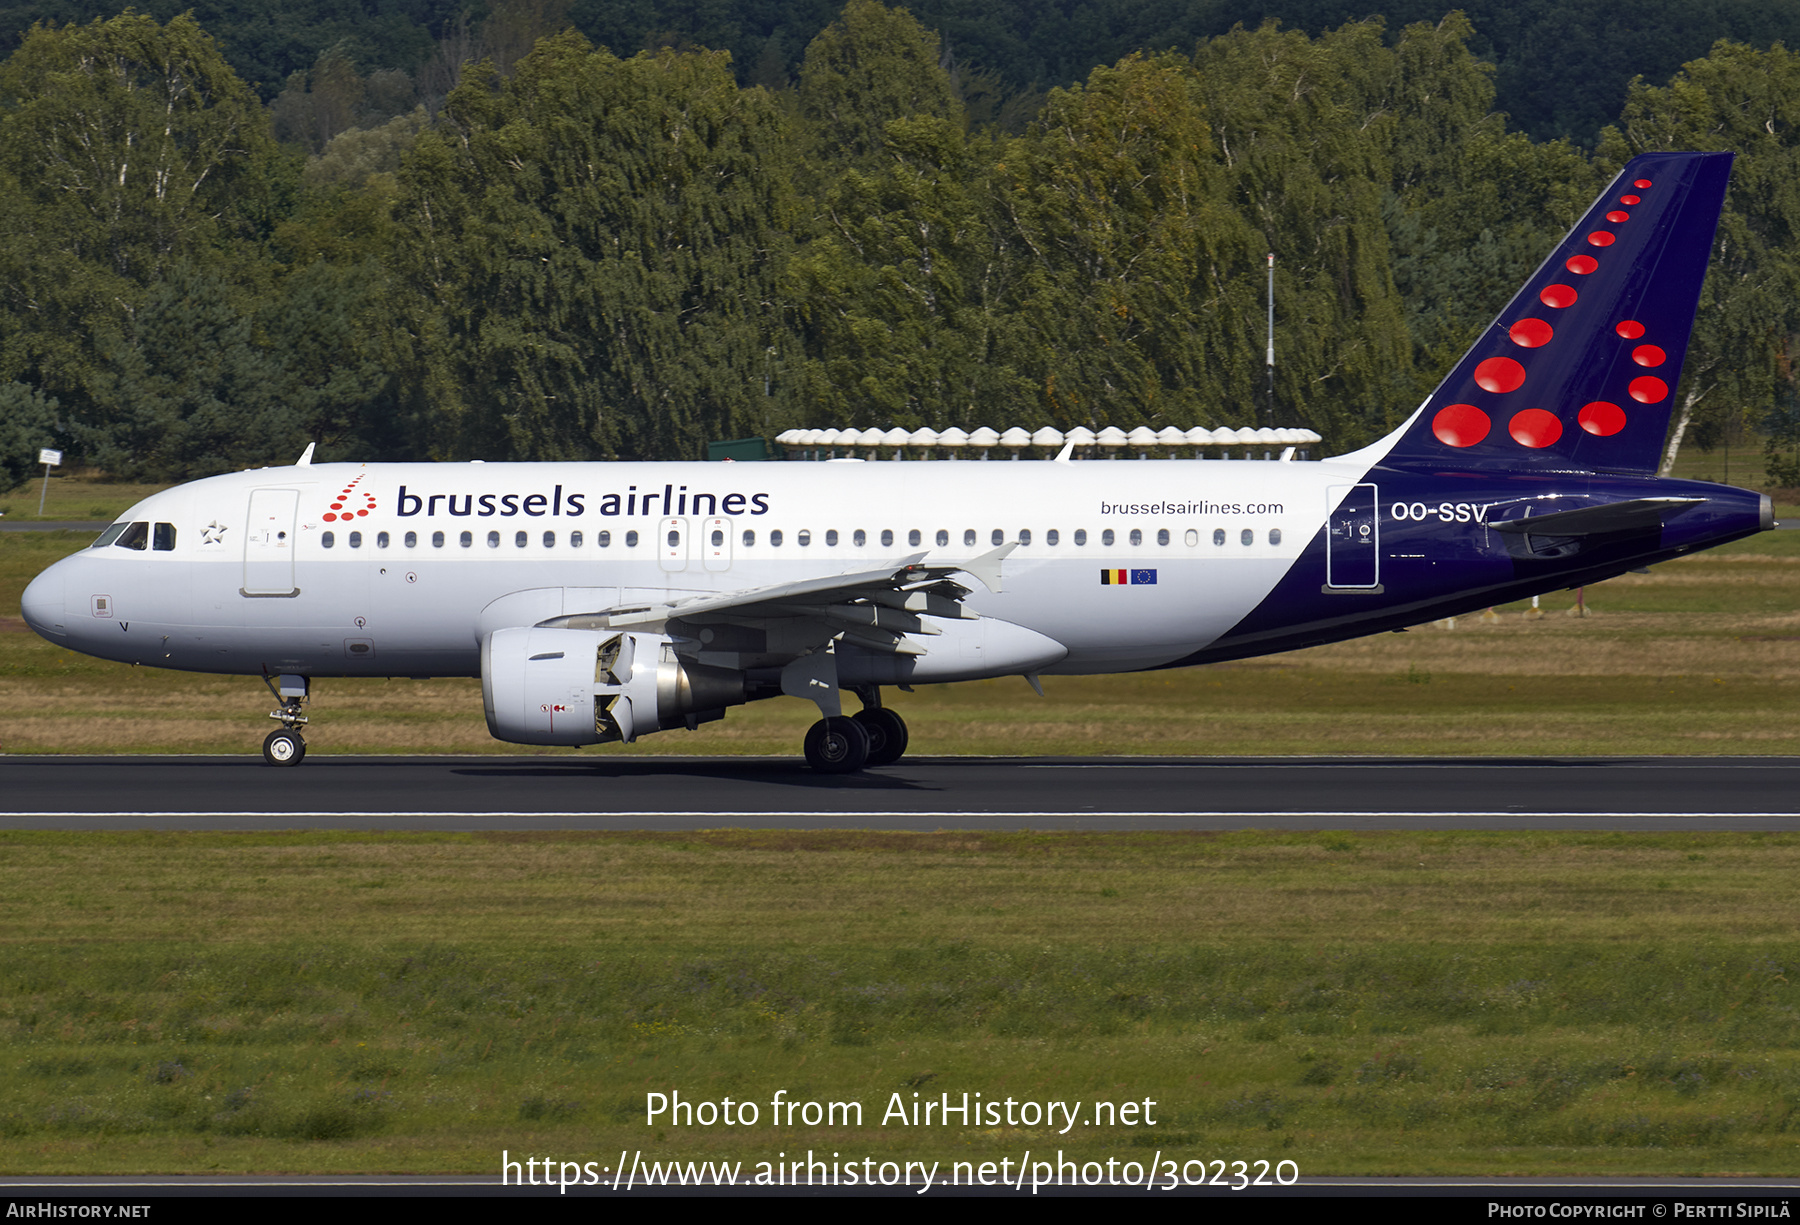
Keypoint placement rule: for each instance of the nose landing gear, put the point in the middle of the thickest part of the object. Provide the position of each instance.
(286, 747)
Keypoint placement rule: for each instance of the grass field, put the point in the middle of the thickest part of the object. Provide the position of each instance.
(1354, 1003)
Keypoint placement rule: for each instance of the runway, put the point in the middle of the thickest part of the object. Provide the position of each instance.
(926, 793)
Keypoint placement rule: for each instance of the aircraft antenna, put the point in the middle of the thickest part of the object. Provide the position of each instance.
(1271, 354)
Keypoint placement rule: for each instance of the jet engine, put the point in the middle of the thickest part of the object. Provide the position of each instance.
(566, 686)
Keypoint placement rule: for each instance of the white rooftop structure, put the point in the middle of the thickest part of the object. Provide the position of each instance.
(1262, 442)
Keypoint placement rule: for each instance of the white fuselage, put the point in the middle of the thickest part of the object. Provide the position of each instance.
(399, 569)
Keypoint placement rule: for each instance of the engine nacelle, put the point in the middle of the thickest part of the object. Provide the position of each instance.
(564, 686)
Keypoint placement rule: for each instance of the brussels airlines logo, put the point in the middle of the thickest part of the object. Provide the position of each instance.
(672, 500)
(340, 505)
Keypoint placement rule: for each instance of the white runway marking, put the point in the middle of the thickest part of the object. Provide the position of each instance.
(897, 812)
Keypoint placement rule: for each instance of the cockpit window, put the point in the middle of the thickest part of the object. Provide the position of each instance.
(109, 535)
(136, 536)
(163, 539)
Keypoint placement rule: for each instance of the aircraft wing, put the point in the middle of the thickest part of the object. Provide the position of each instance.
(874, 609)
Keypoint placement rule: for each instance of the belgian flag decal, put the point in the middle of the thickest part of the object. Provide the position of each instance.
(1128, 578)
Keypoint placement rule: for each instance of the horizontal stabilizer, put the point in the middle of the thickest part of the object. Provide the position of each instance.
(1640, 514)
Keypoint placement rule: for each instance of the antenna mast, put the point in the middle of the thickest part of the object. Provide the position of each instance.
(1271, 355)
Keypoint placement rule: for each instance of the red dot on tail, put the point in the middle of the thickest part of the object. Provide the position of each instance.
(1558, 296)
(1648, 390)
(1640, 183)
(1601, 418)
(1600, 238)
(1630, 329)
(1535, 428)
(1499, 374)
(1618, 215)
(1581, 265)
(1648, 355)
(1530, 333)
(1630, 199)
(1461, 425)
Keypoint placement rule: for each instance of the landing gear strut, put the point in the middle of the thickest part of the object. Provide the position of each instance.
(286, 747)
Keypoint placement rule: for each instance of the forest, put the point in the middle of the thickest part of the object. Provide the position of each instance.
(405, 232)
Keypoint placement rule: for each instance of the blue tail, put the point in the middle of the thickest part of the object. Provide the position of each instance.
(1580, 370)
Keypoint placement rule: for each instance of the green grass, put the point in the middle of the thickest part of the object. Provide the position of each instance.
(1356, 1003)
(73, 495)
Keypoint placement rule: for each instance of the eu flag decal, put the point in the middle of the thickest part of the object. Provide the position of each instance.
(1128, 578)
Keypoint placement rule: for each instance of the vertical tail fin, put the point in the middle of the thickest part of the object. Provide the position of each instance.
(1580, 369)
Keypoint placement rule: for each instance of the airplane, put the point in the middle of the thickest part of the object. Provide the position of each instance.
(602, 602)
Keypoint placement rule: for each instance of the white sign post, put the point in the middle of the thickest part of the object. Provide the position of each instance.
(50, 459)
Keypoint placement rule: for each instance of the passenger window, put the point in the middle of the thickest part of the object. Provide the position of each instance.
(1218, 535)
(1081, 535)
(437, 540)
(1162, 535)
(1274, 535)
(466, 540)
(382, 540)
(1024, 536)
(968, 536)
(519, 539)
(356, 540)
(1191, 538)
(1248, 537)
(943, 538)
(1137, 537)
(803, 537)
(830, 537)
(549, 540)
(603, 539)
(674, 540)
(915, 537)
(749, 538)
(493, 540)
(718, 538)
(412, 540)
(1051, 537)
(775, 539)
(575, 540)
(1106, 537)
(137, 536)
(631, 540)
(164, 538)
(859, 538)
(328, 540)
(887, 538)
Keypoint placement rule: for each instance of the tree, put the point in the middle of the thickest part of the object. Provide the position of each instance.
(1136, 303)
(1302, 140)
(27, 424)
(592, 254)
(1747, 101)
(127, 150)
(873, 65)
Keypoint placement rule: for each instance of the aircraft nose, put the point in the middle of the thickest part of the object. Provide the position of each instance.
(42, 603)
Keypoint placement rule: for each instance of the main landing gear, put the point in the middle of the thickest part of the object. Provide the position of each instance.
(873, 736)
(286, 747)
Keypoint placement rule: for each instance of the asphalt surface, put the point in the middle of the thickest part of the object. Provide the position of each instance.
(927, 793)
